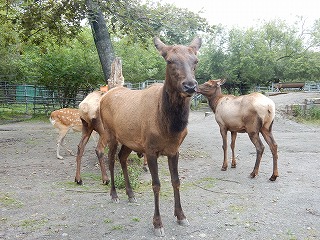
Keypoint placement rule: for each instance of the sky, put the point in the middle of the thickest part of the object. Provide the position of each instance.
(249, 13)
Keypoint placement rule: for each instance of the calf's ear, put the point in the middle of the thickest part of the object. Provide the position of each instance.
(222, 81)
(196, 44)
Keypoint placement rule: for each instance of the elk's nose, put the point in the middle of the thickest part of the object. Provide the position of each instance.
(190, 87)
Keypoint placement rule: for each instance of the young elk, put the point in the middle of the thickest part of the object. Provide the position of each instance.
(253, 113)
(89, 111)
(65, 119)
(153, 121)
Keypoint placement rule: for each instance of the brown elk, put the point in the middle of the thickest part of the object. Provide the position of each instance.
(64, 120)
(153, 121)
(253, 113)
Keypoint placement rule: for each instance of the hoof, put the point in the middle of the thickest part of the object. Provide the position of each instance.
(145, 168)
(132, 200)
(60, 157)
(115, 200)
(273, 178)
(159, 232)
(224, 168)
(233, 166)
(183, 222)
(106, 182)
(78, 182)
(252, 175)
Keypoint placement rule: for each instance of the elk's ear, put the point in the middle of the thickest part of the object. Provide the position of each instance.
(196, 44)
(162, 48)
(221, 81)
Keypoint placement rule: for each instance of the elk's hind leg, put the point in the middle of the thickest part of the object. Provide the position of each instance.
(123, 156)
(86, 132)
(274, 149)
(233, 144)
(112, 144)
(255, 139)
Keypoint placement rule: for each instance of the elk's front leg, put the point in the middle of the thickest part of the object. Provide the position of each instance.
(175, 181)
(153, 168)
(233, 144)
(223, 133)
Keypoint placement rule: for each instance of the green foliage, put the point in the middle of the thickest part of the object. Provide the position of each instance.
(134, 170)
(54, 49)
(311, 115)
(140, 63)
(258, 56)
(72, 66)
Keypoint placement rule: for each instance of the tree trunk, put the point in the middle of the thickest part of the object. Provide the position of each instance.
(116, 78)
(101, 37)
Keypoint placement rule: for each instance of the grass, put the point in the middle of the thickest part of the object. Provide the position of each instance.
(8, 201)
(33, 223)
(310, 116)
(118, 227)
(18, 113)
(134, 170)
(107, 220)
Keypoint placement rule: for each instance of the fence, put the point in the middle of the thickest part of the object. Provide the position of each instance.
(36, 99)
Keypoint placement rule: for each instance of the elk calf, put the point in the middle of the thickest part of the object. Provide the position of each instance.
(65, 119)
(253, 113)
(89, 111)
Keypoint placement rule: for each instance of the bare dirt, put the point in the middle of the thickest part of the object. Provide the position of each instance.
(39, 199)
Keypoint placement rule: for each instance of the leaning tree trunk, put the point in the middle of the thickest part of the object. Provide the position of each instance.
(101, 37)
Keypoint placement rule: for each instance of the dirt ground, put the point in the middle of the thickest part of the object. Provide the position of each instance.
(39, 199)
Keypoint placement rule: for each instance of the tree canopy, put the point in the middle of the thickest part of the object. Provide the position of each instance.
(49, 43)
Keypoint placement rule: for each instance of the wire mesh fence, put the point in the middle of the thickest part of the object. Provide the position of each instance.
(37, 99)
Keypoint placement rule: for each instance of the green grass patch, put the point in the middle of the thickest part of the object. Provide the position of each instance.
(8, 201)
(33, 223)
(117, 227)
(134, 167)
(91, 176)
(136, 219)
(207, 182)
(310, 116)
(236, 208)
(107, 220)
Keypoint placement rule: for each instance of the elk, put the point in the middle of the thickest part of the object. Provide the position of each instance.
(89, 115)
(64, 120)
(253, 113)
(153, 121)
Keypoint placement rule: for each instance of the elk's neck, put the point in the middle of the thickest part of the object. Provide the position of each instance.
(175, 111)
(214, 100)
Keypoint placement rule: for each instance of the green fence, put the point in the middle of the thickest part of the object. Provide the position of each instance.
(37, 99)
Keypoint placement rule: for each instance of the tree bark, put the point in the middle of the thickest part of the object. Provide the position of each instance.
(116, 78)
(101, 37)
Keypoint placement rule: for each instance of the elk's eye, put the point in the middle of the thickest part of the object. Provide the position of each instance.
(169, 61)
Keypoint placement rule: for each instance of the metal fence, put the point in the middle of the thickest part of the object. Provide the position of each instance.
(38, 99)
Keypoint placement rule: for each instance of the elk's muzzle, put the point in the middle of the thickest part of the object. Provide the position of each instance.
(190, 86)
